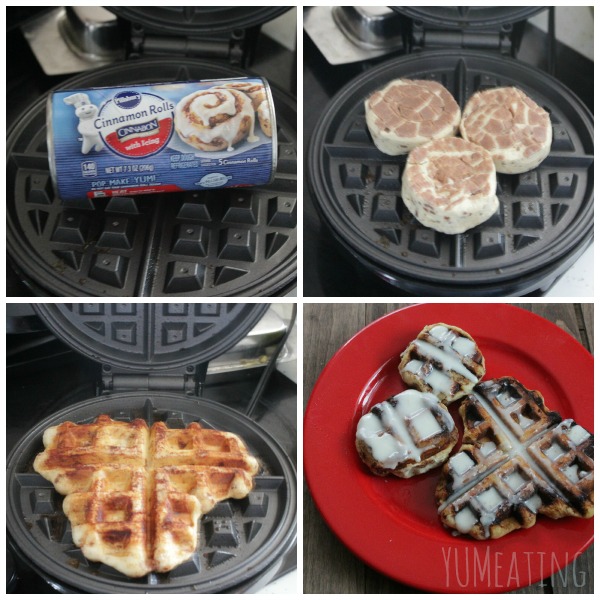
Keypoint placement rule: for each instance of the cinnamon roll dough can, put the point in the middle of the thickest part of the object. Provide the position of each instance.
(161, 137)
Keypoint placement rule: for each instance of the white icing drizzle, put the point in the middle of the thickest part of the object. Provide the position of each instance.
(448, 348)
(460, 463)
(450, 339)
(575, 472)
(524, 422)
(414, 366)
(554, 451)
(448, 360)
(386, 449)
(464, 346)
(488, 500)
(206, 104)
(487, 519)
(577, 434)
(438, 381)
(515, 481)
(465, 519)
(506, 399)
(425, 425)
(533, 503)
(393, 436)
(394, 419)
(487, 448)
(443, 334)
(264, 111)
(572, 473)
(517, 448)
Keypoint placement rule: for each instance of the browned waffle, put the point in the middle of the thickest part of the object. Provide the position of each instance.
(406, 435)
(443, 360)
(134, 495)
(518, 460)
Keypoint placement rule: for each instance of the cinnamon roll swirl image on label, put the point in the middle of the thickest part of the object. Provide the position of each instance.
(258, 94)
(264, 118)
(215, 119)
(256, 91)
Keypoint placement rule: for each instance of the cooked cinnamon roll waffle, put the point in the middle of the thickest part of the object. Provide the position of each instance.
(134, 495)
(406, 435)
(518, 460)
(443, 360)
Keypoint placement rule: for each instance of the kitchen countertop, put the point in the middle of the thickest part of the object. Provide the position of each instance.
(329, 567)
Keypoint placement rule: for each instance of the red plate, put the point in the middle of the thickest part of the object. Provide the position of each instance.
(391, 523)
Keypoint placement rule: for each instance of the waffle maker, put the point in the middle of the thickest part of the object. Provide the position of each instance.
(231, 242)
(545, 219)
(154, 358)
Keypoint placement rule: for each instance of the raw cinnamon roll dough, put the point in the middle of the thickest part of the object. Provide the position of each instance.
(407, 113)
(450, 185)
(510, 126)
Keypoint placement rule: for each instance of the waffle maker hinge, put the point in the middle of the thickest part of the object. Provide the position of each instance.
(504, 38)
(234, 46)
(187, 380)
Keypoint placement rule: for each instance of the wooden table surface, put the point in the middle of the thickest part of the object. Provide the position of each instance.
(328, 566)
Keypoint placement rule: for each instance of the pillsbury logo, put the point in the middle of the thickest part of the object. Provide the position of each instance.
(127, 99)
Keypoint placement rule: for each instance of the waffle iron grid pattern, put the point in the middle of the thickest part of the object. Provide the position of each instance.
(358, 188)
(143, 336)
(219, 242)
(230, 534)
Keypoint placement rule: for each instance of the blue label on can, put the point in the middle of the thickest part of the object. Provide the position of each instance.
(162, 137)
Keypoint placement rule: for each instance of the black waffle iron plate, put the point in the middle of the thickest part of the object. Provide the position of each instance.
(151, 337)
(215, 243)
(545, 219)
(241, 541)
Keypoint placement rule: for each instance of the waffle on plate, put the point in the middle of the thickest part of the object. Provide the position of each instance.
(406, 435)
(517, 460)
(134, 494)
(443, 360)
